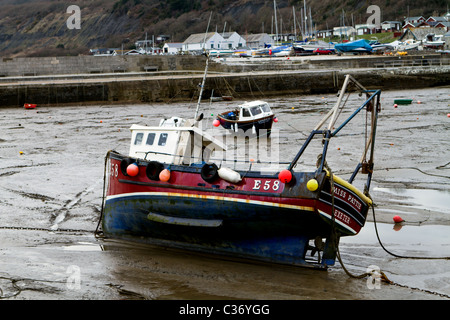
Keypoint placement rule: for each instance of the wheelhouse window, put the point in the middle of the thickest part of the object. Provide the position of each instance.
(162, 139)
(138, 139)
(150, 139)
(255, 110)
(265, 108)
(245, 112)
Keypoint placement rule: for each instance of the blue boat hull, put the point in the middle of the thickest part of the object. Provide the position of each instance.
(256, 235)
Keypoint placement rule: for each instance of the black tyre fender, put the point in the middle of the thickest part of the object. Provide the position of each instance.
(153, 170)
(124, 165)
(209, 172)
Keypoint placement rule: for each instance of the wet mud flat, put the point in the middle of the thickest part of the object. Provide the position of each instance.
(52, 166)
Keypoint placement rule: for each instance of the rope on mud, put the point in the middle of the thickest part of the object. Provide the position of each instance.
(333, 234)
(382, 275)
(396, 255)
(97, 232)
(46, 229)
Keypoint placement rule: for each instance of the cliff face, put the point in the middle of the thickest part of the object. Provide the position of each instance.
(38, 27)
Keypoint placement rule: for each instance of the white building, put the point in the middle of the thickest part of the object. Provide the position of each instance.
(172, 47)
(258, 40)
(391, 26)
(202, 41)
(343, 31)
(365, 29)
(232, 40)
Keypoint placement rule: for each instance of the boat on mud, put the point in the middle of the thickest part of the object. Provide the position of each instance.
(256, 116)
(173, 190)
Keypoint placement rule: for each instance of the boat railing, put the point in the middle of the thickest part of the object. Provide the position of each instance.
(195, 160)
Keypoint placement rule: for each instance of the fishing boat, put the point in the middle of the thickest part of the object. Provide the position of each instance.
(255, 115)
(172, 190)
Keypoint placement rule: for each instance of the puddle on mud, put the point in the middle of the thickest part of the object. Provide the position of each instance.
(421, 198)
(84, 246)
(430, 240)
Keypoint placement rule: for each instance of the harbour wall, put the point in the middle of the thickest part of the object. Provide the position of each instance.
(172, 82)
(46, 66)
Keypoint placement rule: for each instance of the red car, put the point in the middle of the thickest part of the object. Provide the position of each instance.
(323, 51)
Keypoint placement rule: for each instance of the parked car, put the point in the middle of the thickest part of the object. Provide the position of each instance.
(323, 51)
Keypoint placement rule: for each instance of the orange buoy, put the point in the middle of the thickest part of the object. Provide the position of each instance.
(275, 119)
(164, 175)
(285, 176)
(395, 106)
(133, 170)
(216, 123)
(398, 219)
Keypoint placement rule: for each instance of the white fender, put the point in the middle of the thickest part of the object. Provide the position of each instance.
(229, 175)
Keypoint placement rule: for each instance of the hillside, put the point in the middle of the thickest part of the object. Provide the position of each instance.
(38, 27)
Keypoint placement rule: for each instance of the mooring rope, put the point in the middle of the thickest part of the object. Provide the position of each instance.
(396, 255)
(97, 232)
(334, 233)
(372, 272)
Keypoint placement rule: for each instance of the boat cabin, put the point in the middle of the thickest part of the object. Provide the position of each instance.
(173, 144)
(251, 111)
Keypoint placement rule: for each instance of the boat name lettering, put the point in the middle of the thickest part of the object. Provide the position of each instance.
(340, 192)
(267, 185)
(114, 170)
(341, 216)
(354, 202)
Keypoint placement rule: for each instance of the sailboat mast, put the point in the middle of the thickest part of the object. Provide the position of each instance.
(306, 18)
(295, 26)
(276, 23)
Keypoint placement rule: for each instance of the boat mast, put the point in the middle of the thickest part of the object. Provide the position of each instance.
(306, 18)
(276, 23)
(201, 87)
(206, 71)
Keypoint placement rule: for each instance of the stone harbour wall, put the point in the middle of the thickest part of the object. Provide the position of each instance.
(158, 87)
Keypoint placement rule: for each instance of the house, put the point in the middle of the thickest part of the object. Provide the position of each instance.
(414, 20)
(232, 40)
(365, 29)
(391, 26)
(444, 26)
(343, 31)
(202, 41)
(410, 25)
(172, 47)
(324, 33)
(258, 40)
(133, 52)
(433, 20)
(283, 37)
